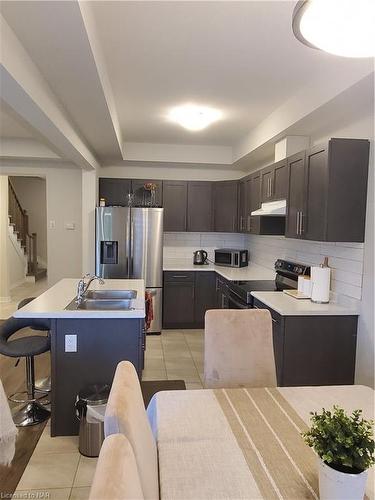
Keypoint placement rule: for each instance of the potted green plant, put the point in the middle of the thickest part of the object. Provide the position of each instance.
(345, 446)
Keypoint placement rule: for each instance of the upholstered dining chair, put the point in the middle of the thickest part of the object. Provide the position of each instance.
(125, 414)
(116, 475)
(238, 349)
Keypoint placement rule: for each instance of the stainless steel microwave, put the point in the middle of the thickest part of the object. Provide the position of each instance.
(231, 257)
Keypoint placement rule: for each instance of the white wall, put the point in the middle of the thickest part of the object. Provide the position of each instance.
(182, 245)
(4, 232)
(64, 205)
(172, 171)
(31, 192)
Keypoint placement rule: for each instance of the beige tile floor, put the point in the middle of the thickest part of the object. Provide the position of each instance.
(58, 469)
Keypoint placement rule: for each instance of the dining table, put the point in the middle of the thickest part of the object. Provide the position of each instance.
(244, 443)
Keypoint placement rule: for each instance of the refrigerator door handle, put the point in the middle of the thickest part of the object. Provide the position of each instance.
(131, 256)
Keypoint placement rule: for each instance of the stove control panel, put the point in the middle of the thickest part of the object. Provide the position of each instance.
(291, 268)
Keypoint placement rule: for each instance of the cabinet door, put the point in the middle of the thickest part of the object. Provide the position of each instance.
(296, 199)
(142, 196)
(199, 206)
(242, 206)
(114, 191)
(175, 205)
(280, 184)
(255, 202)
(316, 196)
(205, 295)
(178, 304)
(225, 206)
(267, 181)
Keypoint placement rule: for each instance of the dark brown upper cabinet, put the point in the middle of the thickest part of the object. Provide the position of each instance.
(296, 210)
(274, 182)
(199, 206)
(225, 206)
(142, 197)
(243, 200)
(327, 191)
(255, 203)
(115, 191)
(336, 190)
(175, 205)
(280, 185)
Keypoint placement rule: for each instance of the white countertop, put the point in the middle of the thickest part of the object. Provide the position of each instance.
(52, 303)
(251, 272)
(289, 306)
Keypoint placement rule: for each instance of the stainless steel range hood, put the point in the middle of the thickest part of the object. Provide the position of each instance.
(272, 208)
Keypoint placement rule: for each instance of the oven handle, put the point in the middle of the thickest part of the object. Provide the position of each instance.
(232, 292)
(238, 304)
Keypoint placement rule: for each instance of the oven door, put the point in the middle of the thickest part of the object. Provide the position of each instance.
(235, 302)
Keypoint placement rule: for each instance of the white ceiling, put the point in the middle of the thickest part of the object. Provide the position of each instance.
(240, 57)
(10, 126)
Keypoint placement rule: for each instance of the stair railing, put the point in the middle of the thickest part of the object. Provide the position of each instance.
(20, 220)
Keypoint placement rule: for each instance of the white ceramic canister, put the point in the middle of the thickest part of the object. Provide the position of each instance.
(336, 485)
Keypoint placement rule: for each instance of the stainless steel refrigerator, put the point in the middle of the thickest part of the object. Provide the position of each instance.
(129, 244)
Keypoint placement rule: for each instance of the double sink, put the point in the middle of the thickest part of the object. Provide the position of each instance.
(104, 300)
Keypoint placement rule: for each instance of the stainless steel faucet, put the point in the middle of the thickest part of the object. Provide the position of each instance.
(82, 286)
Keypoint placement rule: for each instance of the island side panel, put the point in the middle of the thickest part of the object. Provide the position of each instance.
(101, 345)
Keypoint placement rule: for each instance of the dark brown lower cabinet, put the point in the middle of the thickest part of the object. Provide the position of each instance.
(313, 350)
(205, 295)
(186, 297)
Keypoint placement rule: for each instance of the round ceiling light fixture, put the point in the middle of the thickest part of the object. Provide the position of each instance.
(193, 117)
(340, 27)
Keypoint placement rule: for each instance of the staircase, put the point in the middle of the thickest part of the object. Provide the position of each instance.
(19, 226)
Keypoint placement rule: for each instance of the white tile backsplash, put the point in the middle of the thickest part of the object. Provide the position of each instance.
(345, 259)
(182, 245)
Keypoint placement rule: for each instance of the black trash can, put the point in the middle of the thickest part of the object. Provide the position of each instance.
(90, 408)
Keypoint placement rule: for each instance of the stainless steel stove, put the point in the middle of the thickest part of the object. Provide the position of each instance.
(238, 293)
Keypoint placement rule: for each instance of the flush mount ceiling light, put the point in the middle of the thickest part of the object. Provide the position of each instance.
(340, 27)
(193, 117)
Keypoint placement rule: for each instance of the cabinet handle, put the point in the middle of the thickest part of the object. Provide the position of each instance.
(271, 187)
(179, 276)
(301, 228)
(233, 223)
(297, 223)
(241, 223)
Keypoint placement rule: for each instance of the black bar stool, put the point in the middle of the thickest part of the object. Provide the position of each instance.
(42, 385)
(32, 412)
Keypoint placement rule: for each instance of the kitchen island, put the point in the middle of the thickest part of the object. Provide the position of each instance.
(87, 345)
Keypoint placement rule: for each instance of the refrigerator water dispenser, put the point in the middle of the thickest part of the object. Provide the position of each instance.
(109, 252)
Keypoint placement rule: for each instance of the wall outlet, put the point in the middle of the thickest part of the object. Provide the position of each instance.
(52, 224)
(70, 343)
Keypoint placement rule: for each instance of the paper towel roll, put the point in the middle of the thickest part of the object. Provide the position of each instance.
(320, 284)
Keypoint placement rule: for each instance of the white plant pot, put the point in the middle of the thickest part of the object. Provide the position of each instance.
(336, 485)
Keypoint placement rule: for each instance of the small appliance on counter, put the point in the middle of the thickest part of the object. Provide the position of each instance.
(320, 283)
(200, 258)
(231, 257)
